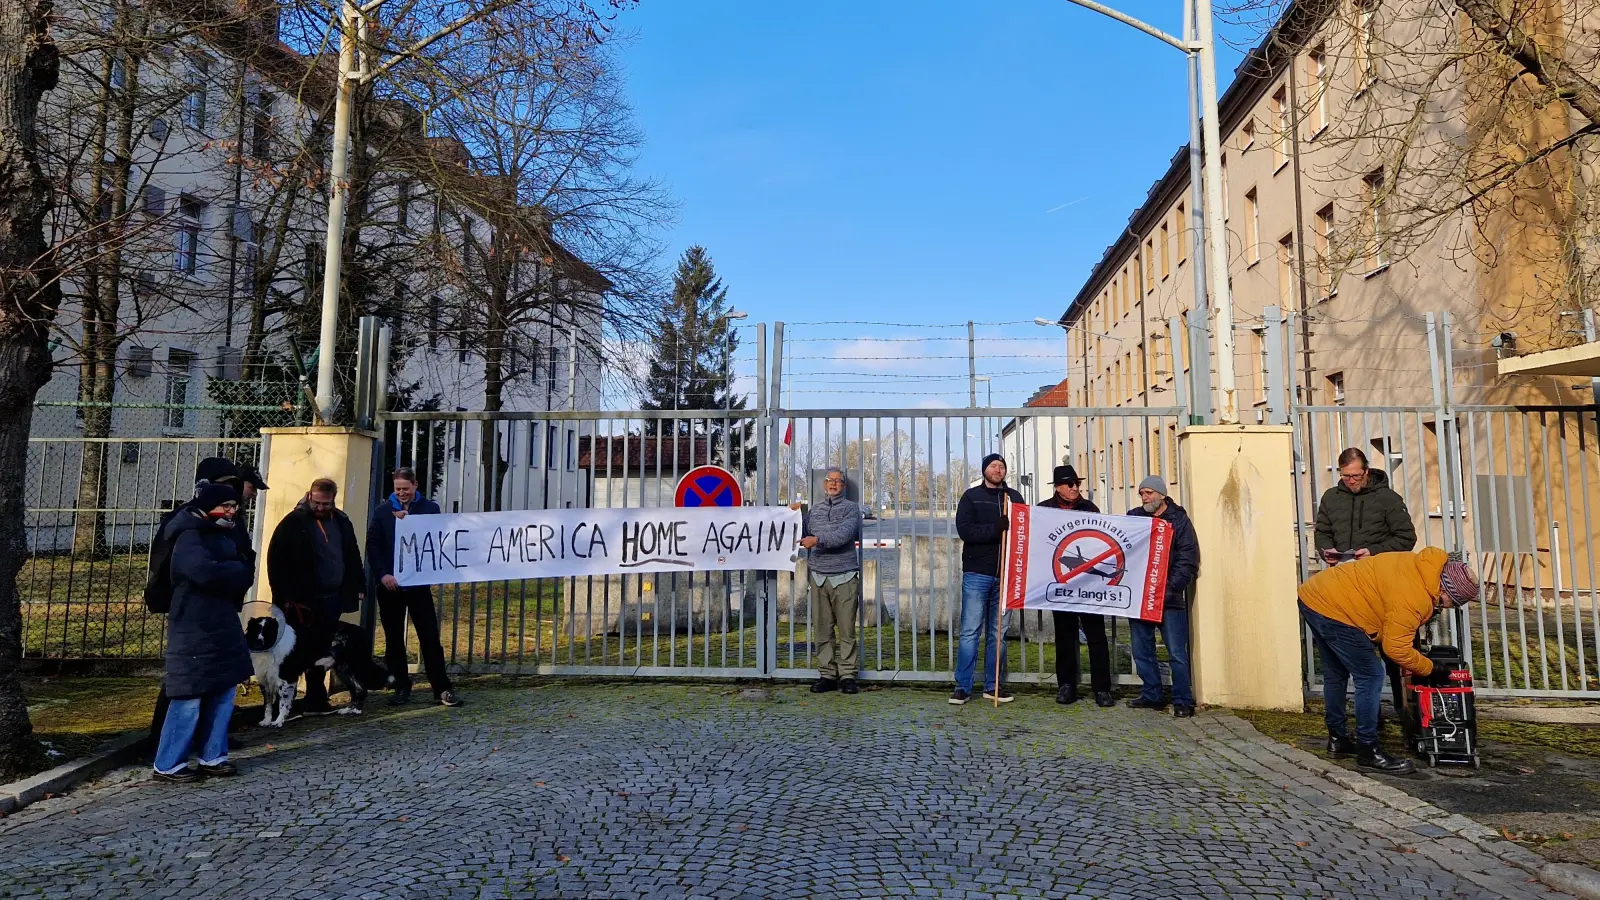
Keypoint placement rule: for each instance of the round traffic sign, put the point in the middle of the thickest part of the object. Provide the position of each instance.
(709, 486)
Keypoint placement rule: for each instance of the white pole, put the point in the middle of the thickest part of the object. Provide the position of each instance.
(336, 201)
(1217, 236)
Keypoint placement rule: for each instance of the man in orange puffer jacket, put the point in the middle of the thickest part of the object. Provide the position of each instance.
(1382, 599)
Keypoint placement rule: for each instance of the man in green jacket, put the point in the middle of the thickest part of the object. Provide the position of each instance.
(1361, 516)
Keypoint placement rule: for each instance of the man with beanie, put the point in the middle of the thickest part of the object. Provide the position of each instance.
(1068, 495)
(1381, 600)
(981, 521)
(832, 529)
(1183, 564)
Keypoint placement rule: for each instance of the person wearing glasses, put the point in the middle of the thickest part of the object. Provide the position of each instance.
(314, 568)
(1362, 516)
(1069, 495)
(831, 531)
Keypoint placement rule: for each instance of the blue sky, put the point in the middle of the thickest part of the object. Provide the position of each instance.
(921, 163)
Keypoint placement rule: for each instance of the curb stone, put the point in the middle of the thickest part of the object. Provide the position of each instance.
(18, 794)
(1579, 881)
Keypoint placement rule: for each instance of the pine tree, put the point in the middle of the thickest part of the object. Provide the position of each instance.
(694, 345)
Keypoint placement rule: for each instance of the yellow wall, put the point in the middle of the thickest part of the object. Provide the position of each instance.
(297, 456)
(1245, 626)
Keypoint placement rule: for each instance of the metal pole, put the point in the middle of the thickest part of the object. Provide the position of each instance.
(1211, 138)
(349, 24)
(366, 349)
(572, 364)
(1198, 335)
(381, 391)
(972, 369)
(763, 423)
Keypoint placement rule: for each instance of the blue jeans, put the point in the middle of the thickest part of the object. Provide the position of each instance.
(1346, 651)
(1175, 634)
(193, 721)
(980, 602)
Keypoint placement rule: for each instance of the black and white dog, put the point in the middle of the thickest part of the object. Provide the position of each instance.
(270, 639)
(350, 658)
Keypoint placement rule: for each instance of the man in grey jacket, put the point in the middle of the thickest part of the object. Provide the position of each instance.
(832, 529)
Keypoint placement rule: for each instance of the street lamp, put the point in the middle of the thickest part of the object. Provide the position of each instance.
(1199, 45)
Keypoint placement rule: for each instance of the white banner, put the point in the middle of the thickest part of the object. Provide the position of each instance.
(558, 543)
(1072, 561)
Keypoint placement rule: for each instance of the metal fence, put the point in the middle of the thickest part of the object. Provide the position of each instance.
(92, 504)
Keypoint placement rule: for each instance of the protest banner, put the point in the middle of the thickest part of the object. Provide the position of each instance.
(558, 543)
(1073, 561)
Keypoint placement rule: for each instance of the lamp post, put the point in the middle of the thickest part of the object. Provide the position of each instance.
(1201, 51)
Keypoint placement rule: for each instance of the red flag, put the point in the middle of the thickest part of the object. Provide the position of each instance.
(788, 434)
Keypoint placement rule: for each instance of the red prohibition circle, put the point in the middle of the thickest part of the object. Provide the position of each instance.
(709, 486)
(1116, 560)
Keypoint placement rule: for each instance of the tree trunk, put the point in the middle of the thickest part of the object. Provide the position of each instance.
(29, 298)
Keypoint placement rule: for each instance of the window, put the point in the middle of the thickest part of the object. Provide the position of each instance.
(1252, 227)
(1280, 135)
(155, 201)
(1335, 388)
(1114, 383)
(1183, 234)
(119, 71)
(191, 212)
(433, 322)
(1365, 15)
(198, 90)
(247, 239)
(402, 203)
(1149, 266)
(1324, 237)
(1129, 376)
(551, 435)
(1166, 250)
(572, 450)
(468, 245)
(1247, 134)
(1286, 272)
(1317, 69)
(179, 364)
(1222, 164)
(260, 112)
(105, 207)
(1376, 224)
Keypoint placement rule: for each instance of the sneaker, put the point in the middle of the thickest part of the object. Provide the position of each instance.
(1142, 703)
(824, 685)
(1340, 747)
(449, 698)
(849, 686)
(402, 696)
(1067, 694)
(1002, 695)
(1373, 759)
(222, 769)
(182, 776)
(1104, 700)
(958, 697)
(1182, 711)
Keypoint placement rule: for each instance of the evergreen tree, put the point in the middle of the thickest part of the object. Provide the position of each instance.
(695, 345)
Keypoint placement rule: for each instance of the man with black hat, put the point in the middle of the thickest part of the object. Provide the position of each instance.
(981, 520)
(1068, 495)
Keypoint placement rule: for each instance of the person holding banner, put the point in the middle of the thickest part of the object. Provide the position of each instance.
(981, 521)
(831, 531)
(1183, 564)
(1068, 495)
(396, 602)
(1369, 607)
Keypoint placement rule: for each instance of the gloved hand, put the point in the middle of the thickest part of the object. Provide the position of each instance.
(1005, 523)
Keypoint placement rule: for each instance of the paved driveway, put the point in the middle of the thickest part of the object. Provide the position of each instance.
(689, 790)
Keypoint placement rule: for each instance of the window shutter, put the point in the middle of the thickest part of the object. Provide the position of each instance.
(155, 201)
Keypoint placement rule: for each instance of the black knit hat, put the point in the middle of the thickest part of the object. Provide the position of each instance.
(210, 496)
(993, 457)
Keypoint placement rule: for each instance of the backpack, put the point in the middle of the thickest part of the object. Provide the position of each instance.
(158, 581)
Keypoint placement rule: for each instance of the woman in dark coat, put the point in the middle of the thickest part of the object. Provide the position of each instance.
(206, 653)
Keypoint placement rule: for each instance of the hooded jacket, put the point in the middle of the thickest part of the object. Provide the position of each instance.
(1374, 518)
(836, 524)
(380, 533)
(292, 567)
(981, 526)
(206, 651)
(1183, 562)
(1389, 597)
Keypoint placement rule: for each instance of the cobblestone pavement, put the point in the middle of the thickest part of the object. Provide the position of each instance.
(691, 790)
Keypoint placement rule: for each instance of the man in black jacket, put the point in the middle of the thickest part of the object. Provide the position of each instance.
(314, 567)
(1069, 495)
(1183, 564)
(981, 521)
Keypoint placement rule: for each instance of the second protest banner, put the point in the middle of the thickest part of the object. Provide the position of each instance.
(558, 543)
(1072, 561)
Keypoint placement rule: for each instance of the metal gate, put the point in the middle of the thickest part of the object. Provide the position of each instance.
(908, 467)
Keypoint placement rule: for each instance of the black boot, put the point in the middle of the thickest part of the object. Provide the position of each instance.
(1104, 700)
(1340, 747)
(1067, 694)
(824, 685)
(1372, 758)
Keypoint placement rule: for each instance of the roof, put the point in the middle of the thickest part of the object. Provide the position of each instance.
(636, 453)
(1051, 395)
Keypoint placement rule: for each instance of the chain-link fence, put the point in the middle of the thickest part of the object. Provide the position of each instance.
(99, 478)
